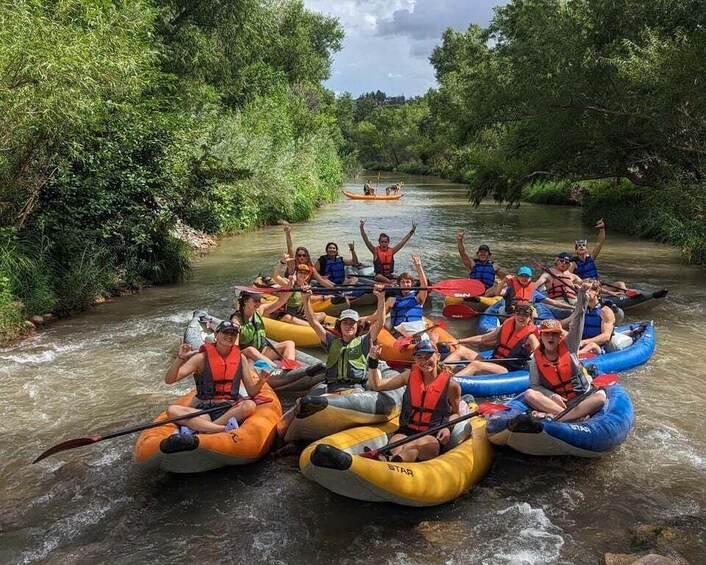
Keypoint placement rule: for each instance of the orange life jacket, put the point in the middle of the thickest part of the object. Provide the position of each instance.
(556, 373)
(384, 261)
(520, 293)
(511, 342)
(220, 379)
(425, 406)
(557, 290)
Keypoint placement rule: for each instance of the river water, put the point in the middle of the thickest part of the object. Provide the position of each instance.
(103, 370)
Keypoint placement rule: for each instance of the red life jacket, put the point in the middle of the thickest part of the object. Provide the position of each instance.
(511, 343)
(384, 261)
(521, 293)
(220, 379)
(556, 373)
(425, 406)
(557, 290)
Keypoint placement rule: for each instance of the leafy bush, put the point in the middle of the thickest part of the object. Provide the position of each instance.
(548, 193)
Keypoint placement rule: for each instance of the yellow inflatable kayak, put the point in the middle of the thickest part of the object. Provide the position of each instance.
(328, 306)
(333, 462)
(391, 353)
(162, 448)
(302, 336)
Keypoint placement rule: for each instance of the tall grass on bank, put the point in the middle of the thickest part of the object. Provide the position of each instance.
(557, 193)
(674, 214)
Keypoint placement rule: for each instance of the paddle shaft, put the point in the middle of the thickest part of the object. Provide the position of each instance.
(574, 402)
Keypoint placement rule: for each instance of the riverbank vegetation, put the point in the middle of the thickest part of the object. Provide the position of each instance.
(607, 95)
(122, 121)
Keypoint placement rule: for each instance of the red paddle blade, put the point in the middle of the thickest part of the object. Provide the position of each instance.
(68, 444)
(255, 289)
(262, 399)
(460, 288)
(491, 408)
(632, 293)
(289, 364)
(586, 356)
(372, 454)
(602, 381)
(459, 311)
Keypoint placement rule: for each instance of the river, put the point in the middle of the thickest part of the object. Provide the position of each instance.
(103, 370)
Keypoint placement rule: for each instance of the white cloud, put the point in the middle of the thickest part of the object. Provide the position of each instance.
(388, 42)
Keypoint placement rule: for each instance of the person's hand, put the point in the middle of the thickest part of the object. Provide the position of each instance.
(416, 260)
(306, 292)
(560, 400)
(379, 290)
(444, 436)
(351, 245)
(287, 228)
(286, 258)
(586, 286)
(414, 227)
(184, 350)
(375, 351)
(509, 277)
(459, 236)
(362, 223)
(600, 224)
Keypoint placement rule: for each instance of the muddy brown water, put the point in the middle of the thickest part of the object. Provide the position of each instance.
(103, 370)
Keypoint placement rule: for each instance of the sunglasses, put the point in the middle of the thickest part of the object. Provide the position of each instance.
(564, 260)
(302, 255)
(581, 242)
(523, 311)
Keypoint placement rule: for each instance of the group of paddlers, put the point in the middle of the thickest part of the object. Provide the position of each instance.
(549, 351)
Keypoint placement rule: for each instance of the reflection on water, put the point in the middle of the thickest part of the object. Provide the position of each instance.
(103, 370)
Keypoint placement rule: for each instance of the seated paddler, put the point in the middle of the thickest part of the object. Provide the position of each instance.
(218, 368)
(405, 307)
(432, 398)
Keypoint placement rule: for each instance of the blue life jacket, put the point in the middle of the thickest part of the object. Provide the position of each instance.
(334, 269)
(406, 309)
(586, 269)
(592, 322)
(484, 272)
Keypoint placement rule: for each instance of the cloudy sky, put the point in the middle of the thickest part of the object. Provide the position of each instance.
(388, 42)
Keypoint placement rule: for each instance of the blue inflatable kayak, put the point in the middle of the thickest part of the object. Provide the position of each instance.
(594, 437)
(516, 382)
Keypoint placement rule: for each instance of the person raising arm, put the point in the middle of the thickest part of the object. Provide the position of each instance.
(383, 254)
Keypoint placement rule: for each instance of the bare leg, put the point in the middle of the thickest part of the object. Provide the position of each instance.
(462, 353)
(242, 411)
(538, 401)
(482, 367)
(199, 423)
(289, 319)
(421, 449)
(586, 407)
(254, 355)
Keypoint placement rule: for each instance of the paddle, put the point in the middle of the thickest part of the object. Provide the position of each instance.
(599, 382)
(459, 288)
(81, 441)
(483, 410)
(630, 293)
(466, 362)
(284, 363)
(461, 311)
(406, 340)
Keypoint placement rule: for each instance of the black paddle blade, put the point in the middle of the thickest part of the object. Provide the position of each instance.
(68, 444)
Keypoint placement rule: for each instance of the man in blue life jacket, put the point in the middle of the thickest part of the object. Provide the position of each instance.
(481, 268)
(583, 263)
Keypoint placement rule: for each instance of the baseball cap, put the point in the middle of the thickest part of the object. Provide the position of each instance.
(524, 270)
(564, 255)
(581, 241)
(484, 248)
(226, 326)
(303, 267)
(248, 294)
(424, 346)
(550, 326)
(350, 315)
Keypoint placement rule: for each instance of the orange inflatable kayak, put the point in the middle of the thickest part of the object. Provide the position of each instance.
(162, 448)
(354, 196)
(391, 354)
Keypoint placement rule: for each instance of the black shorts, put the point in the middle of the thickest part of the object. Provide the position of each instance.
(225, 406)
(405, 431)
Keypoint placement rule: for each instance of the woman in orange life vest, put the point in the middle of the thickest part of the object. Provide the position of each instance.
(432, 397)
(556, 374)
(552, 280)
(383, 254)
(218, 370)
(520, 288)
(293, 310)
(297, 257)
(516, 338)
(481, 268)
